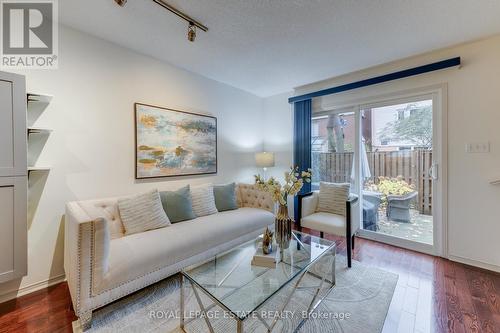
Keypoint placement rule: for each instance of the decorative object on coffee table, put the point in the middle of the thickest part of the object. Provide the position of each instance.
(283, 227)
(267, 241)
(246, 288)
(294, 180)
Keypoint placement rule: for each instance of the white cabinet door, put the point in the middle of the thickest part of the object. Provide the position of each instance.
(13, 137)
(13, 227)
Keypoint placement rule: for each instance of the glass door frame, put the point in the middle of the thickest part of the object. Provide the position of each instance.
(438, 95)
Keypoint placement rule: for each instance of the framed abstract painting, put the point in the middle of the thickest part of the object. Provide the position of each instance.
(172, 143)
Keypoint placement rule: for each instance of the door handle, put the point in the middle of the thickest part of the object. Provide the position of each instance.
(433, 171)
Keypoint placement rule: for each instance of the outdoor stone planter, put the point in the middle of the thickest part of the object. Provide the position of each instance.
(398, 207)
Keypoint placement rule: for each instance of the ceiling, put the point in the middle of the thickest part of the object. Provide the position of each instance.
(271, 46)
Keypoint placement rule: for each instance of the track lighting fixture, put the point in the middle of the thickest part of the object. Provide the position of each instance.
(121, 2)
(191, 32)
(192, 24)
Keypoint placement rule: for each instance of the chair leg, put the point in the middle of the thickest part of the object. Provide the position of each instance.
(353, 238)
(321, 234)
(349, 251)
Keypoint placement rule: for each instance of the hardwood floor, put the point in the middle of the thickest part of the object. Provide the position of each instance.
(432, 295)
(47, 310)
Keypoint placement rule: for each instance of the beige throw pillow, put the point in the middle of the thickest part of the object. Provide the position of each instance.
(333, 197)
(142, 212)
(203, 200)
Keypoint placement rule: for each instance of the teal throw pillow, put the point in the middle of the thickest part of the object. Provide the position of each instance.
(178, 204)
(225, 197)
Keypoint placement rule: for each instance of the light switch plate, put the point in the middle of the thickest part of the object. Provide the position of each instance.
(477, 147)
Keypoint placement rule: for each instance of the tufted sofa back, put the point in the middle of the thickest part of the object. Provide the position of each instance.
(247, 195)
(251, 196)
(107, 209)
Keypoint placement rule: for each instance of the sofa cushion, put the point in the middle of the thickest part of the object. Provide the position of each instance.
(225, 197)
(142, 212)
(178, 204)
(333, 197)
(326, 222)
(203, 200)
(139, 254)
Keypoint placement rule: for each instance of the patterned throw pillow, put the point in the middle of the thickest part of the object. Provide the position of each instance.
(203, 200)
(142, 212)
(333, 197)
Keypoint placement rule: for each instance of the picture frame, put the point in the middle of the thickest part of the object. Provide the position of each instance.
(173, 143)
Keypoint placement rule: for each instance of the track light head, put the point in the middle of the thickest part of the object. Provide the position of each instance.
(121, 2)
(191, 32)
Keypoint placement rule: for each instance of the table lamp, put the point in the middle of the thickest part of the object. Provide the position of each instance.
(264, 160)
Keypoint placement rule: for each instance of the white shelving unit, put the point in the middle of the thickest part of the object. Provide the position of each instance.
(38, 169)
(39, 130)
(36, 104)
(34, 99)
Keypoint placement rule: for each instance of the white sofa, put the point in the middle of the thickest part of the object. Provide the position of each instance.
(103, 265)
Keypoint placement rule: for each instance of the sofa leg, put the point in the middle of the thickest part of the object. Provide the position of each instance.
(349, 251)
(86, 320)
(321, 234)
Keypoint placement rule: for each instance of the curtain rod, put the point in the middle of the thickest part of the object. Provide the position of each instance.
(452, 62)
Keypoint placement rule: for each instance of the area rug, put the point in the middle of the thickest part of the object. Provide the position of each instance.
(359, 303)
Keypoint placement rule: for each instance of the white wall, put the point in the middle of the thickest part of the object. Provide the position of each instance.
(278, 132)
(91, 149)
(473, 116)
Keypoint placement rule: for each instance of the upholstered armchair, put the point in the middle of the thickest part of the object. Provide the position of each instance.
(345, 226)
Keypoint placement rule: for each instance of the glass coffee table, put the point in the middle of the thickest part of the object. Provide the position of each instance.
(241, 289)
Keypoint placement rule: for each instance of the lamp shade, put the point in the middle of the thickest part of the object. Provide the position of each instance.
(264, 159)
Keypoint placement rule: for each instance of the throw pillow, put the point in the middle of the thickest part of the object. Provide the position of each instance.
(142, 212)
(333, 197)
(177, 204)
(203, 200)
(225, 197)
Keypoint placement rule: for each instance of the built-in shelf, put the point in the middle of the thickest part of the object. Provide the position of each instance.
(39, 98)
(38, 169)
(39, 130)
(38, 102)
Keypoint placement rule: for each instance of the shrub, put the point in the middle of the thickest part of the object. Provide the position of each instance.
(391, 186)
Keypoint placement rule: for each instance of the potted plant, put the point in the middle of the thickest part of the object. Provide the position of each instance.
(294, 180)
(397, 196)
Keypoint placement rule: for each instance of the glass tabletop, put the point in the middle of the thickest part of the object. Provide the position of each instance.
(242, 287)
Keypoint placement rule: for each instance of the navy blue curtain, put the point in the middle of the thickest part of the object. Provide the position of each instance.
(302, 112)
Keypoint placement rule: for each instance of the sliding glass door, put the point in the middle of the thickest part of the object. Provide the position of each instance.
(333, 147)
(390, 151)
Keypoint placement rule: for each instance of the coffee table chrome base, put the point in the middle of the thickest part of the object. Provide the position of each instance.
(315, 302)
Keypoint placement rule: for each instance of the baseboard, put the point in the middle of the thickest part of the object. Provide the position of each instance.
(475, 263)
(32, 288)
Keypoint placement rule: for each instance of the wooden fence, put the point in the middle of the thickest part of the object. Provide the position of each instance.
(412, 165)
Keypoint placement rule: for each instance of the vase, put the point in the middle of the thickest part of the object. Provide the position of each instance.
(283, 227)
